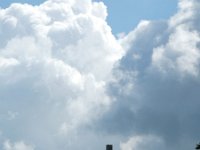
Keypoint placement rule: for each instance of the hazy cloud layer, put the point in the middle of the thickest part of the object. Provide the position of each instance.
(67, 83)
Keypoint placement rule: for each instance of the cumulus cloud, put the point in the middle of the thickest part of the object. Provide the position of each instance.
(68, 83)
(55, 60)
(157, 83)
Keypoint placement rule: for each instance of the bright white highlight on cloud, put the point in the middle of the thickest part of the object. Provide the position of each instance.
(142, 143)
(16, 146)
(67, 83)
(55, 60)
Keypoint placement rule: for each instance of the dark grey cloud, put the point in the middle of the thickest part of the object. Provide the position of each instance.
(157, 83)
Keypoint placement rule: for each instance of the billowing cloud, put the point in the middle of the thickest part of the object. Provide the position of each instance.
(67, 83)
(55, 60)
(157, 83)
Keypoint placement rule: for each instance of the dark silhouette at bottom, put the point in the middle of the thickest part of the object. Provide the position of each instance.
(109, 147)
(198, 146)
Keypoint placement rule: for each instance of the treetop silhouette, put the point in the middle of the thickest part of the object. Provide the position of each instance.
(198, 146)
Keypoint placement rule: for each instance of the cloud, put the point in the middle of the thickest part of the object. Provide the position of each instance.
(68, 83)
(156, 85)
(143, 142)
(16, 146)
(55, 61)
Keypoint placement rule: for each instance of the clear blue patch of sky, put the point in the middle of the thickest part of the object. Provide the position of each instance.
(6, 3)
(124, 15)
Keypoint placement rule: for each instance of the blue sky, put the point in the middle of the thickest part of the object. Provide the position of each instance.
(125, 15)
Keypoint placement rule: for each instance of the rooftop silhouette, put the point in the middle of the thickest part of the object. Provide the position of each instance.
(109, 147)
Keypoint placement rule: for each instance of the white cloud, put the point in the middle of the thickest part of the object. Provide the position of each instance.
(17, 146)
(142, 143)
(180, 53)
(55, 60)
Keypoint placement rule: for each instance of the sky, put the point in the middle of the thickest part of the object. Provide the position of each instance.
(124, 16)
(119, 10)
(68, 80)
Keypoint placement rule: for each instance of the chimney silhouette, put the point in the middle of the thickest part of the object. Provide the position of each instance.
(109, 147)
